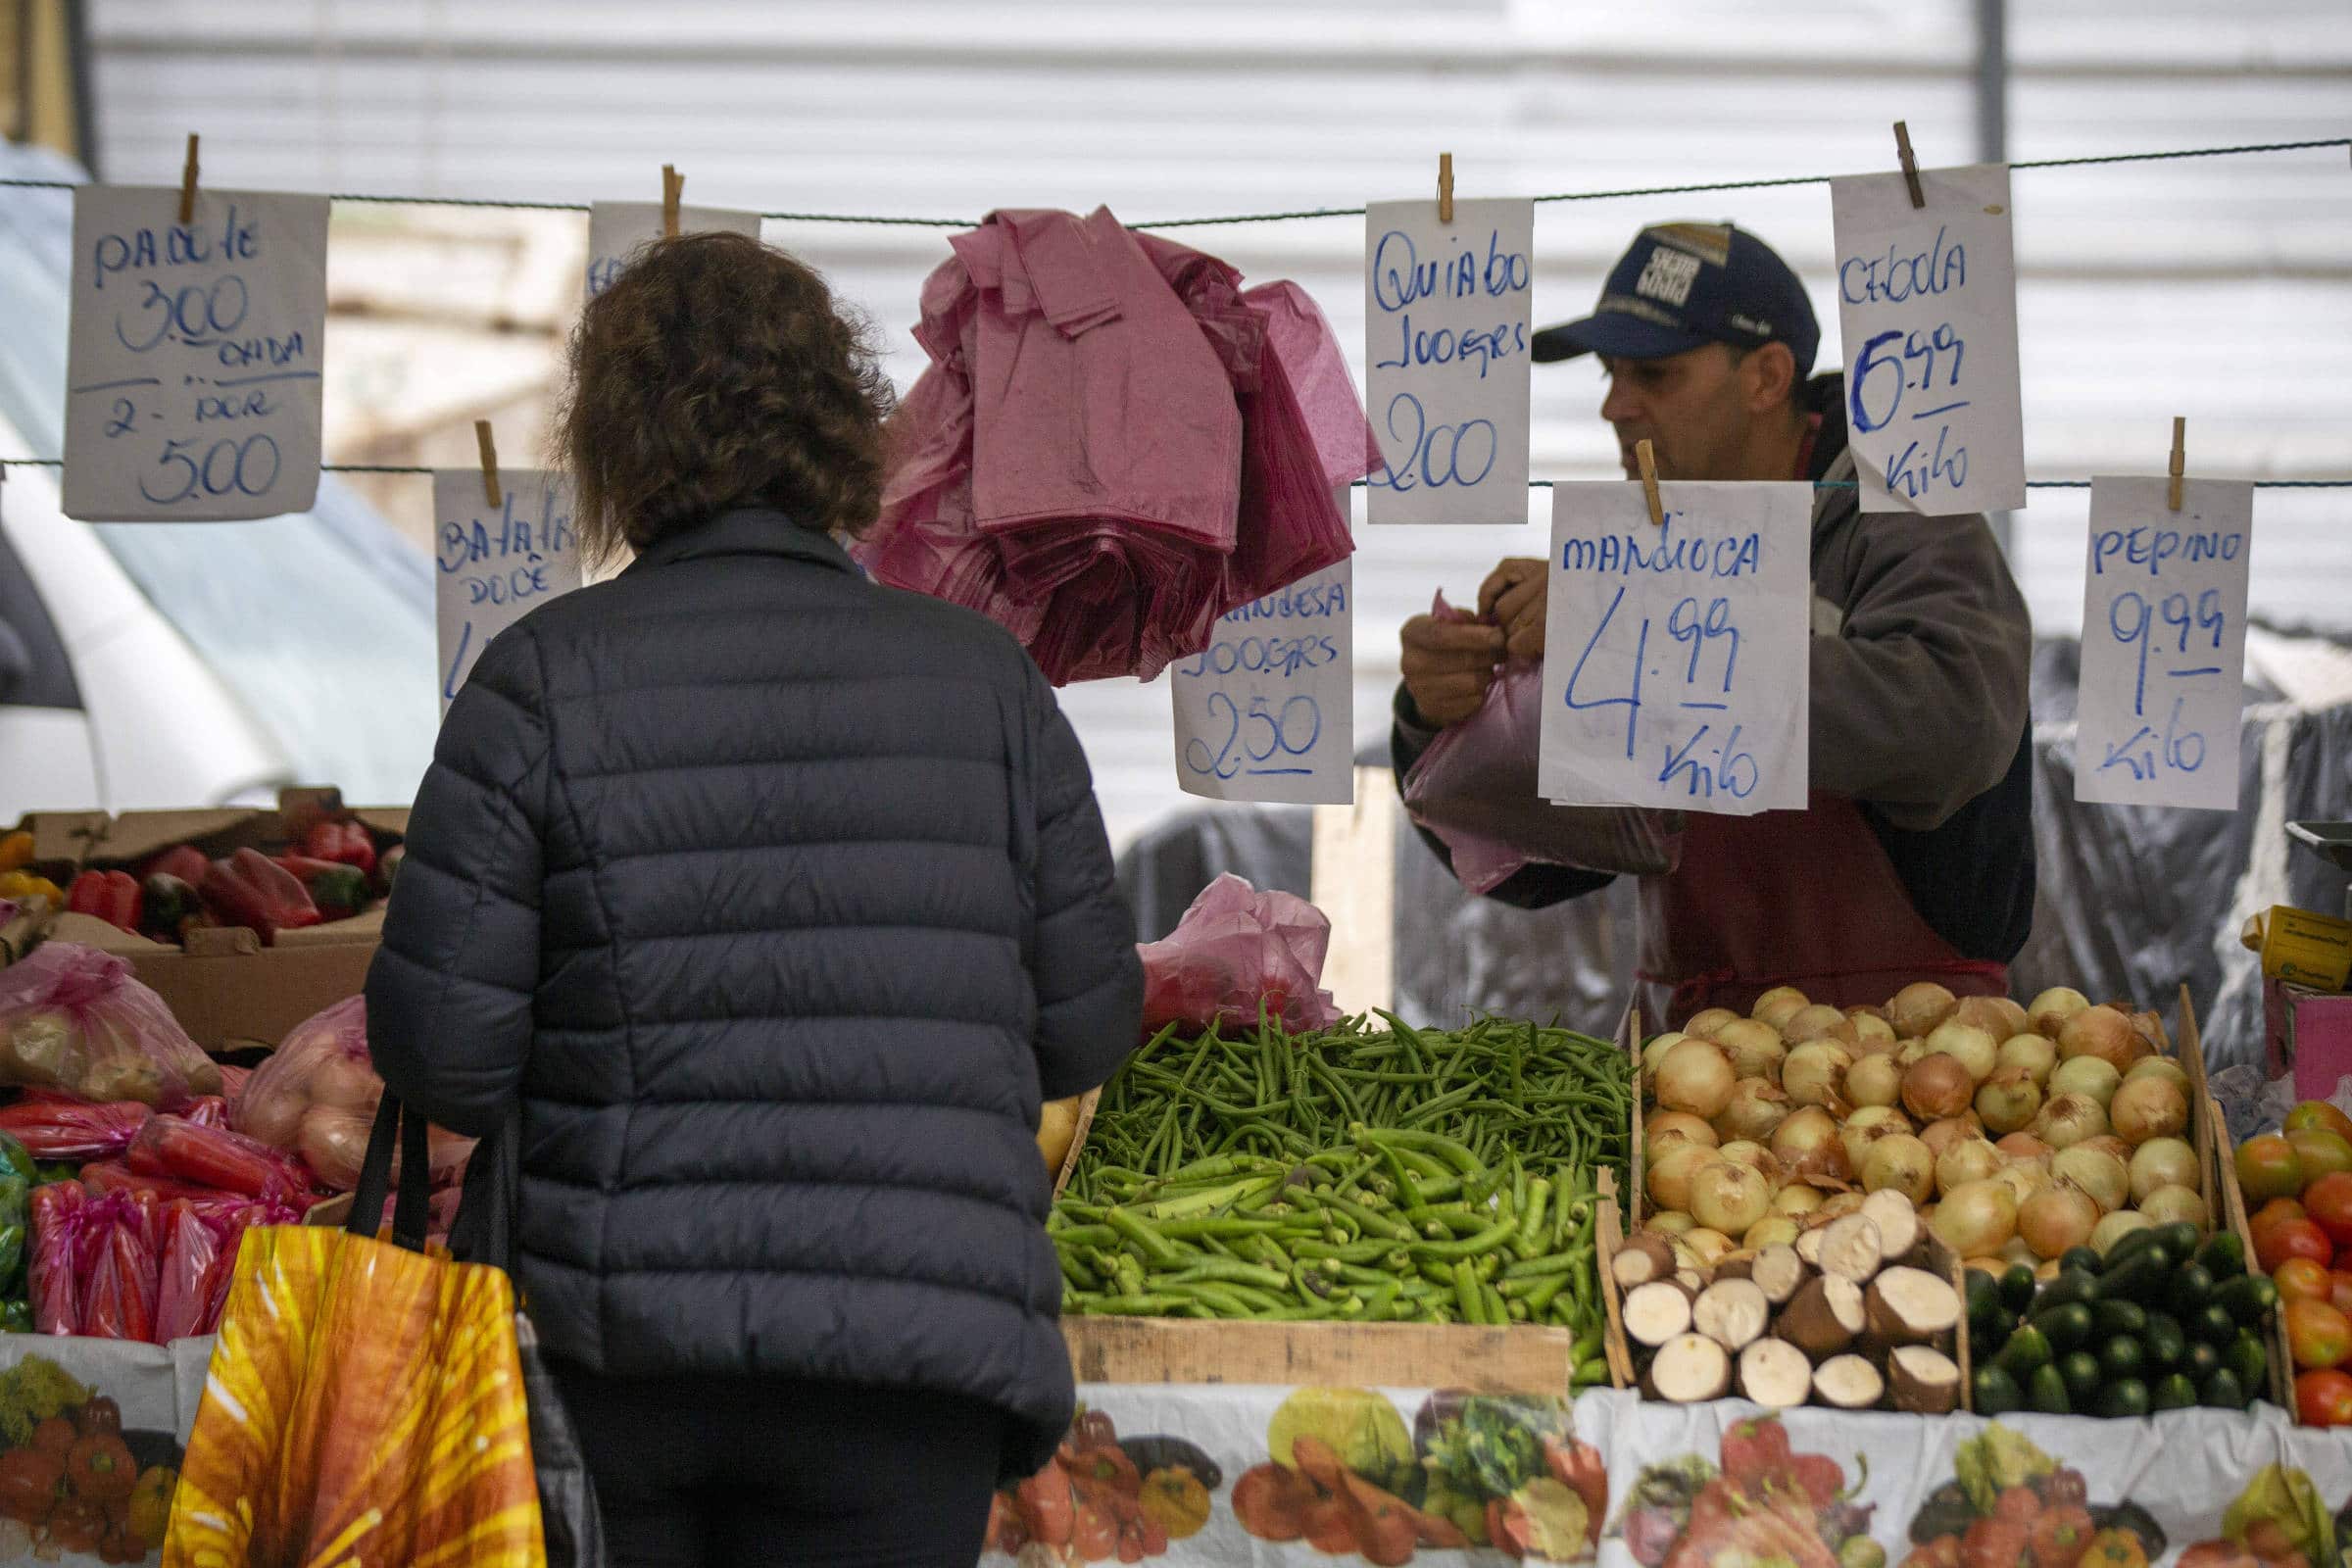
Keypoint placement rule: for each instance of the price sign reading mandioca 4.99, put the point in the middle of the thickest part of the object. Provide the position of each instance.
(1675, 657)
(2164, 644)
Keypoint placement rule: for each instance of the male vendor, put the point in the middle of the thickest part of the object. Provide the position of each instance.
(1915, 858)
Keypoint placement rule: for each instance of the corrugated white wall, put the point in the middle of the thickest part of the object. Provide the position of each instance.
(2218, 290)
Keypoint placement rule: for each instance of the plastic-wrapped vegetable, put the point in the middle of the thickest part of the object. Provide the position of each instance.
(102, 1176)
(193, 1241)
(72, 1018)
(56, 1296)
(317, 1095)
(118, 1270)
(53, 1127)
(212, 1156)
(207, 1111)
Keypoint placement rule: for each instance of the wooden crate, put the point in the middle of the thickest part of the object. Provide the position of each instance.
(1520, 1359)
(1086, 1121)
(2225, 1199)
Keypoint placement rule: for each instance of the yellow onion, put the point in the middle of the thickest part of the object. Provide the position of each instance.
(2058, 1217)
(1773, 1230)
(1917, 1008)
(1670, 1178)
(1815, 1074)
(1866, 1127)
(1777, 1005)
(1756, 1156)
(1656, 1052)
(1729, 1196)
(1666, 1128)
(1754, 1047)
(1671, 1223)
(2167, 1204)
(1797, 1199)
(2048, 1013)
(2113, 1228)
(1997, 1016)
(1941, 1134)
(2024, 1177)
(2086, 1075)
(1695, 1076)
(1755, 1109)
(1937, 1086)
(2067, 1119)
(2162, 1163)
(1708, 1246)
(1875, 1079)
(2159, 1068)
(2038, 1055)
(2009, 1099)
(2148, 1108)
(1702, 1026)
(1809, 1148)
(1872, 1031)
(1976, 1218)
(2103, 1032)
(2098, 1173)
(2023, 1146)
(1976, 1047)
(1900, 1163)
(1819, 1022)
(1965, 1160)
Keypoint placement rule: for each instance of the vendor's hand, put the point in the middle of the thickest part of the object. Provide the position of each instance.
(1512, 598)
(1447, 666)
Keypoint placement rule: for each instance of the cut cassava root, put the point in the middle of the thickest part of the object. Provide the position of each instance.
(1848, 1383)
(1926, 1382)
(1910, 1306)
(1646, 1256)
(1776, 1373)
(1731, 1312)
(1689, 1369)
(1656, 1313)
(1824, 1316)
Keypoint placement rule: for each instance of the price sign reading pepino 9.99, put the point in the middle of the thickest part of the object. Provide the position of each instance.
(1927, 307)
(2164, 644)
(193, 356)
(1676, 671)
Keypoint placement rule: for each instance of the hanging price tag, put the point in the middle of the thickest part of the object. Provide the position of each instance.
(616, 230)
(1445, 313)
(1268, 712)
(1927, 307)
(1676, 671)
(193, 355)
(2164, 644)
(494, 565)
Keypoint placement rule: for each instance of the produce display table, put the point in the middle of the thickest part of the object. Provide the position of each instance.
(1692, 1487)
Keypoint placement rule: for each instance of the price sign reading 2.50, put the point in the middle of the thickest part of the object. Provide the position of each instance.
(1675, 663)
(1265, 711)
(2164, 634)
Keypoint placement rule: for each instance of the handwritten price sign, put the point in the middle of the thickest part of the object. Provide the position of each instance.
(1268, 712)
(616, 230)
(193, 356)
(1674, 659)
(494, 567)
(1927, 304)
(2164, 644)
(1445, 313)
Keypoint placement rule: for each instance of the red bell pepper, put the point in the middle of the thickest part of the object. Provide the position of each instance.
(182, 860)
(250, 889)
(111, 896)
(347, 842)
(338, 888)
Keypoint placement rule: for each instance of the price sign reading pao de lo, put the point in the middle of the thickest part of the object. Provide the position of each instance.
(493, 565)
(2164, 644)
(193, 356)
(1445, 330)
(1676, 668)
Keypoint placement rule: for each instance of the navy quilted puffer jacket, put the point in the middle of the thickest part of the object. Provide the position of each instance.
(781, 900)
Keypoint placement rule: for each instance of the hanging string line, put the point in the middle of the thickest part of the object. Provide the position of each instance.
(1309, 212)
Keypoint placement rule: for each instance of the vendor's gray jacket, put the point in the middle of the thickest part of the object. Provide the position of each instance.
(781, 900)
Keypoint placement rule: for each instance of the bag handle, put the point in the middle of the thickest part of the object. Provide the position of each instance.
(484, 1230)
(411, 1207)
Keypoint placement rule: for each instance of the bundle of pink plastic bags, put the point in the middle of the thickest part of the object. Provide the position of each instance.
(1115, 443)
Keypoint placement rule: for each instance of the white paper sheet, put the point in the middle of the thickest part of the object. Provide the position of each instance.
(2164, 644)
(1445, 330)
(1927, 307)
(617, 228)
(193, 355)
(495, 564)
(1675, 657)
(1269, 713)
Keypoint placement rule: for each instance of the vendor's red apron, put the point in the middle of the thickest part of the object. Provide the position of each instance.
(1805, 899)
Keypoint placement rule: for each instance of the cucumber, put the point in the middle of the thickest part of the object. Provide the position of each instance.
(2249, 1298)
(2071, 1285)
(2130, 1245)
(2046, 1392)
(2027, 1351)
(2080, 1257)
(2084, 1376)
(2214, 1325)
(2201, 1360)
(2145, 1277)
(2122, 1358)
(2067, 1328)
(2165, 1345)
(2017, 1289)
(2120, 1317)
(2180, 1238)
(1989, 1319)
(2247, 1359)
(1996, 1391)
(2191, 1289)
(2222, 1391)
(2223, 1257)
(2174, 1393)
(2125, 1398)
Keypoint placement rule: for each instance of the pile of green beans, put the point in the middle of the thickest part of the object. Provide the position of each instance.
(1353, 1174)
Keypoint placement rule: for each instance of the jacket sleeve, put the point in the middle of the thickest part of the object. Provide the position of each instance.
(1089, 980)
(1934, 627)
(450, 993)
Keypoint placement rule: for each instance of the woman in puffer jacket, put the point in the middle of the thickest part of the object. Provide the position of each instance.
(777, 900)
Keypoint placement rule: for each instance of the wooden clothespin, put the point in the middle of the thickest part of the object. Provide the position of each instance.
(1902, 150)
(2172, 488)
(187, 185)
(481, 438)
(673, 184)
(1445, 187)
(1648, 464)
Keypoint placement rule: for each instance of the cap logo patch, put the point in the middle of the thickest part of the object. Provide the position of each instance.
(1668, 276)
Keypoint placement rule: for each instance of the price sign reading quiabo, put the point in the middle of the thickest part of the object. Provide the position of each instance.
(1927, 307)
(1268, 712)
(1676, 665)
(494, 565)
(193, 355)
(1445, 325)
(2164, 644)
(616, 230)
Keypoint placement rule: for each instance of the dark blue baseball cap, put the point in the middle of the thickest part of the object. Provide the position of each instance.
(1687, 285)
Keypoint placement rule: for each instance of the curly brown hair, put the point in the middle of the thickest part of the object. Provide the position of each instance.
(716, 372)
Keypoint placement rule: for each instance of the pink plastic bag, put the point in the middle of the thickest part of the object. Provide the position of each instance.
(54, 1127)
(193, 1241)
(1236, 951)
(72, 1018)
(1475, 788)
(114, 1250)
(317, 1096)
(56, 1292)
(182, 1151)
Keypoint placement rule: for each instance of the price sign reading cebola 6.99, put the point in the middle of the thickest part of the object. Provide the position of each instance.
(193, 356)
(2164, 644)
(1674, 659)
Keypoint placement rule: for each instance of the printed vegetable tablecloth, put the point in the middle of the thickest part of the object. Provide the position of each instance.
(91, 1436)
(1227, 1475)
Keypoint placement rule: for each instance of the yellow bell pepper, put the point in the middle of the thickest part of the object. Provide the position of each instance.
(150, 1511)
(22, 885)
(16, 850)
